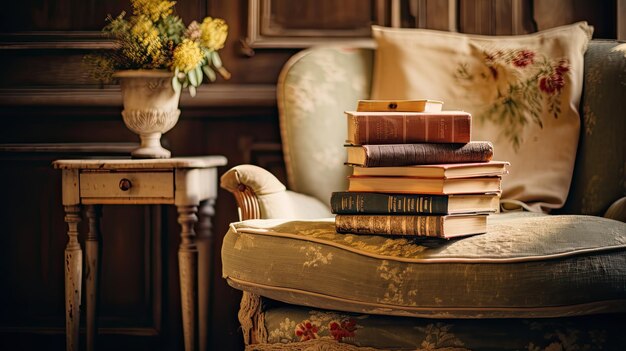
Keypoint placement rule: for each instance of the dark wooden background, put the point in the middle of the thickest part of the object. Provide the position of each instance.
(50, 108)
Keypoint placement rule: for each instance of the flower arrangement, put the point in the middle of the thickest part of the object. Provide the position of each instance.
(153, 37)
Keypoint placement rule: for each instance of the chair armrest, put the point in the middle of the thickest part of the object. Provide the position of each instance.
(260, 195)
(617, 210)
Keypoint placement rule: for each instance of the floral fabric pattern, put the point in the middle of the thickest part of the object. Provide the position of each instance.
(290, 324)
(519, 83)
(318, 325)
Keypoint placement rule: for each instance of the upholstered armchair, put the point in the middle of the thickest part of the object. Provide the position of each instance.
(534, 281)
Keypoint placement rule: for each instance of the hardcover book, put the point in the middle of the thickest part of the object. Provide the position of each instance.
(423, 105)
(446, 171)
(389, 155)
(413, 185)
(408, 127)
(436, 226)
(417, 204)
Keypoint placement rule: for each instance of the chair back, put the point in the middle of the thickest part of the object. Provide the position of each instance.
(314, 89)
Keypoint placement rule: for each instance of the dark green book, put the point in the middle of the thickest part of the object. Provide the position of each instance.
(348, 202)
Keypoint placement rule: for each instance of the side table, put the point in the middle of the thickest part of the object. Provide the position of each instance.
(184, 182)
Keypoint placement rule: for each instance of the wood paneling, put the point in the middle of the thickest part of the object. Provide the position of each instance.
(621, 19)
(297, 24)
(51, 108)
(603, 15)
(492, 17)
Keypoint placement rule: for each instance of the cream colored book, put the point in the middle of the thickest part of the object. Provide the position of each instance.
(423, 105)
(412, 185)
(446, 171)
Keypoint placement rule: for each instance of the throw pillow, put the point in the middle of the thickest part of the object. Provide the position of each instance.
(523, 93)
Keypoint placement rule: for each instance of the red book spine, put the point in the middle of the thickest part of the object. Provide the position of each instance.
(402, 129)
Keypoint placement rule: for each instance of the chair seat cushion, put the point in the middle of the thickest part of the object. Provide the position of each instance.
(287, 325)
(527, 265)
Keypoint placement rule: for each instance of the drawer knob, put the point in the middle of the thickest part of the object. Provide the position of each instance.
(125, 184)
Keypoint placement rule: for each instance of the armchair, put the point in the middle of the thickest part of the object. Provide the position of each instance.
(534, 281)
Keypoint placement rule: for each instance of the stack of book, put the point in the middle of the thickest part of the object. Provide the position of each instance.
(415, 171)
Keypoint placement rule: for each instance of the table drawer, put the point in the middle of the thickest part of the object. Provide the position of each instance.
(127, 185)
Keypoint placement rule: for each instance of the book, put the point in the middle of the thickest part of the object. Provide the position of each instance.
(447, 171)
(389, 155)
(344, 202)
(408, 127)
(448, 226)
(436, 186)
(423, 105)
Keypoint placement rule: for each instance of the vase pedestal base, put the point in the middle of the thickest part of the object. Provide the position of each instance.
(151, 147)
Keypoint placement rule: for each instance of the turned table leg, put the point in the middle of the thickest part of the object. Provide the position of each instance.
(92, 273)
(73, 276)
(188, 271)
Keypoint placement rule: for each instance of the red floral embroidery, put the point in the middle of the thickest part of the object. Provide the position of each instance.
(518, 86)
(306, 330)
(343, 329)
(554, 82)
(523, 58)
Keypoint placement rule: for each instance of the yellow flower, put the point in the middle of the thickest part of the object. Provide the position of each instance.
(187, 56)
(153, 9)
(147, 36)
(214, 33)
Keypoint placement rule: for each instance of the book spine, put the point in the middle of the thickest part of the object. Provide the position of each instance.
(390, 225)
(401, 129)
(389, 155)
(378, 203)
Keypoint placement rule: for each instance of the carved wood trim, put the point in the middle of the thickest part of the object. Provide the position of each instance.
(91, 40)
(261, 35)
(247, 202)
(63, 148)
(207, 96)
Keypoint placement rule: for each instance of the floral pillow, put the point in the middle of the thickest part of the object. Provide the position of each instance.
(522, 91)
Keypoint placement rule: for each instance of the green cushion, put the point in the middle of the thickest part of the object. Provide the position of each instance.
(526, 265)
(599, 170)
(284, 324)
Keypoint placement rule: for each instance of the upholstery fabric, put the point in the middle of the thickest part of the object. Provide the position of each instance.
(286, 324)
(523, 93)
(598, 182)
(314, 94)
(526, 265)
(599, 177)
(275, 201)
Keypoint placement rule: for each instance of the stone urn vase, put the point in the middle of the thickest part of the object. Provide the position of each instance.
(150, 108)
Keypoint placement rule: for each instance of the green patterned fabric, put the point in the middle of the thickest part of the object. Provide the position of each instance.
(287, 324)
(599, 177)
(314, 90)
(526, 265)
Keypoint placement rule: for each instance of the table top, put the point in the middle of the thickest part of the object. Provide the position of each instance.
(153, 163)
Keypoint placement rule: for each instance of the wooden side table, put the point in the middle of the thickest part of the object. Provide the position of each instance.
(183, 182)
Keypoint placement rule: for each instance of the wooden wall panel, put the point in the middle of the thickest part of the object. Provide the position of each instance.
(47, 97)
(621, 19)
(603, 15)
(430, 14)
(297, 24)
(492, 17)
